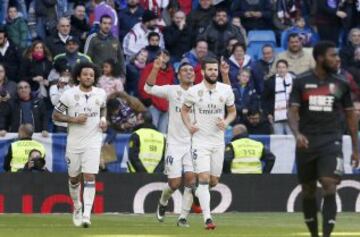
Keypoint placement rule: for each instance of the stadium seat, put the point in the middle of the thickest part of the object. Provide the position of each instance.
(257, 39)
(261, 36)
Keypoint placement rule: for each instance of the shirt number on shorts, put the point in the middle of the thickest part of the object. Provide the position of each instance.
(169, 160)
(194, 154)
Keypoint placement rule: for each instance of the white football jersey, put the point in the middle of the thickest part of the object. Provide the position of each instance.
(209, 106)
(76, 102)
(175, 94)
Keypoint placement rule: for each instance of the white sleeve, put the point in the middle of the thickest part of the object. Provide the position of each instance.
(189, 100)
(230, 99)
(159, 91)
(129, 44)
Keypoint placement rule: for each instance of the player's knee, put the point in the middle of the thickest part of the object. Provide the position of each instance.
(213, 181)
(75, 180)
(189, 179)
(329, 185)
(174, 184)
(89, 177)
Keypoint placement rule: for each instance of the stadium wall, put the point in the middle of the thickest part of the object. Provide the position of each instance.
(282, 146)
(139, 193)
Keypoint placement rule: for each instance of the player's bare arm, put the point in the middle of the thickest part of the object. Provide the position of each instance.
(293, 119)
(103, 122)
(59, 117)
(185, 115)
(231, 115)
(352, 125)
(224, 70)
(155, 70)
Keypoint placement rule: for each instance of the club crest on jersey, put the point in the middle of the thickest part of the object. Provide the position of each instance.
(200, 93)
(97, 102)
(77, 97)
(221, 99)
(332, 88)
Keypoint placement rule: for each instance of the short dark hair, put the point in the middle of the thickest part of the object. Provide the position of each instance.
(208, 60)
(293, 35)
(78, 69)
(321, 48)
(105, 16)
(12, 6)
(152, 34)
(220, 9)
(282, 61)
(253, 111)
(3, 31)
(184, 64)
(115, 67)
(198, 40)
(267, 46)
(237, 45)
(78, 4)
(164, 51)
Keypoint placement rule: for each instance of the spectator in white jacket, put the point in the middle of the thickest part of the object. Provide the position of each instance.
(137, 38)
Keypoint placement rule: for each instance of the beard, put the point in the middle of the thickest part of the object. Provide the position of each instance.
(208, 79)
(329, 69)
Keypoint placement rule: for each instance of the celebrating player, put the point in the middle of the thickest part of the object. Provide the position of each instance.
(318, 99)
(208, 101)
(85, 114)
(178, 157)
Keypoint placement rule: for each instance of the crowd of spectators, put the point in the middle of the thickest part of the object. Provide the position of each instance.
(42, 40)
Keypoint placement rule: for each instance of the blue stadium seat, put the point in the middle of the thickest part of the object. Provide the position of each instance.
(261, 36)
(257, 39)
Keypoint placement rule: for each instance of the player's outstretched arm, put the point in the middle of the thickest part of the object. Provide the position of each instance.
(352, 124)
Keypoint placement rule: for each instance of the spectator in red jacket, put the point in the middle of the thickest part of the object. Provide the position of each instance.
(165, 75)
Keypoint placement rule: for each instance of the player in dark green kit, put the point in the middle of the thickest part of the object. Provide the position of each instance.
(318, 101)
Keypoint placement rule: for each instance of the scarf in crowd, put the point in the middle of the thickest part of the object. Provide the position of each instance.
(282, 92)
(284, 7)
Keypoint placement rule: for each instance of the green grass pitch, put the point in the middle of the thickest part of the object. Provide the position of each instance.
(130, 225)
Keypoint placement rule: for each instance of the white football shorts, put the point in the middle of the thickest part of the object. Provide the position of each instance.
(208, 158)
(177, 160)
(84, 162)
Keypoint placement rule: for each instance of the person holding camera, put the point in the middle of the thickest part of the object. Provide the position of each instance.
(36, 162)
(20, 150)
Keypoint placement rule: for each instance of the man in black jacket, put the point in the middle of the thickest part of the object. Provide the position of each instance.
(9, 56)
(200, 18)
(177, 36)
(79, 24)
(218, 33)
(56, 43)
(28, 110)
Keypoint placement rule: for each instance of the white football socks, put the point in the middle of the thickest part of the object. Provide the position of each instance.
(187, 200)
(74, 190)
(203, 193)
(88, 197)
(165, 195)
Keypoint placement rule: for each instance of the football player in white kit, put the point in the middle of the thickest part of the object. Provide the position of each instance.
(85, 107)
(208, 101)
(178, 152)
